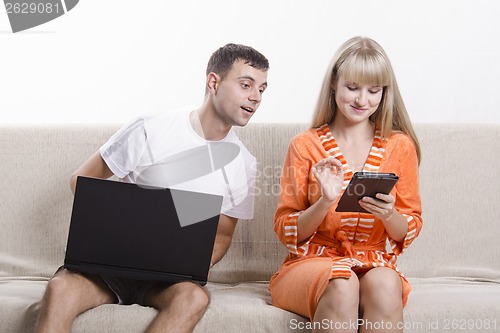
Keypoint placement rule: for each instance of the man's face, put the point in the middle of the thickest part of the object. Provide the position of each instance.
(239, 94)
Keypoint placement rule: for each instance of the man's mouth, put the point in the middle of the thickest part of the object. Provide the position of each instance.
(248, 109)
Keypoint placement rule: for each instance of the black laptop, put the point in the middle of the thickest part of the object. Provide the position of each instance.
(141, 232)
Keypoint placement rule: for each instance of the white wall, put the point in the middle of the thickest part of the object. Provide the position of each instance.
(111, 60)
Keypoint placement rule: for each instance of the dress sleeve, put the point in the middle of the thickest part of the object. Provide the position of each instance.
(293, 199)
(408, 198)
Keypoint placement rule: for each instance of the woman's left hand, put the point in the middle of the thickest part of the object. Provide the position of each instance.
(382, 206)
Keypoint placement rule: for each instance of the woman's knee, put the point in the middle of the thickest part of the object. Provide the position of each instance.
(342, 293)
(381, 288)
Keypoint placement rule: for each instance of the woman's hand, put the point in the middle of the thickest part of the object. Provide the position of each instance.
(330, 176)
(382, 206)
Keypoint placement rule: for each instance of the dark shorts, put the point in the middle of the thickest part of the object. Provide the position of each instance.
(127, 291)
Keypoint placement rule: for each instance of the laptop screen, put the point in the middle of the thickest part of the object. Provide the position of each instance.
(139, 232)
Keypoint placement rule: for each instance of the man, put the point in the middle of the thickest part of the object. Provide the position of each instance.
(236, 78)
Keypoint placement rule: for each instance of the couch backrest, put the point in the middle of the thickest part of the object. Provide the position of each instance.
(35, 201)
(256, 253)
(460, 187)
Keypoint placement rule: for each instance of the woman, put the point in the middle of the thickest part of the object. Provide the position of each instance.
(338, 271)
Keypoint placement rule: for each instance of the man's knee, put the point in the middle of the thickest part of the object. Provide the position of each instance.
(190, 297)
(70, 288)
(58, 287)
(199, 298)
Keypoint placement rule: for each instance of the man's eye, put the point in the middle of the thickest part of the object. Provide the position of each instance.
(245, 85)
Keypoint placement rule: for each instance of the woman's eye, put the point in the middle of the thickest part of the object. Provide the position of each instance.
(352, 88)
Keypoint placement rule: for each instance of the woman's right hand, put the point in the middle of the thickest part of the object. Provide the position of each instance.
(330, 175)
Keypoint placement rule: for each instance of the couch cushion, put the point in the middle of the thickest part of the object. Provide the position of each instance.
(245, 306)
(435, 305)
(452, 305)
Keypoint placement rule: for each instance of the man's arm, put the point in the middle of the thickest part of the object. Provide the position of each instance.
(223, 238)
(94, 167)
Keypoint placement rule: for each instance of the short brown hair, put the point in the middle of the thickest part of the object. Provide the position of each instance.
(223, 59)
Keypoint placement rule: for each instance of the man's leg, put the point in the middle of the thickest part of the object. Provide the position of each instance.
(180, 306)
(67, 295)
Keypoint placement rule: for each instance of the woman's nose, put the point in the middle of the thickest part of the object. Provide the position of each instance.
(362, 98)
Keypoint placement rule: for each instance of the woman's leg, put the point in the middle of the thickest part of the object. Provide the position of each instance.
(338, 306)
(381, 305)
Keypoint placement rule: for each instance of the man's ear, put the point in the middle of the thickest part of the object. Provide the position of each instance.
(213, 81)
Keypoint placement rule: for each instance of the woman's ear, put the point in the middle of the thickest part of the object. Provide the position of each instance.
(333, 85)
(213, 81)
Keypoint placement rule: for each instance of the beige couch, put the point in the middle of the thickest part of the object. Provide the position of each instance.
(454, 266)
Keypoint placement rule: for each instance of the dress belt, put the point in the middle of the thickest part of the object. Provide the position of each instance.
(343, 246)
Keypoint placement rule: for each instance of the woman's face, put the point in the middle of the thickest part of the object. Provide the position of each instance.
(356, 101)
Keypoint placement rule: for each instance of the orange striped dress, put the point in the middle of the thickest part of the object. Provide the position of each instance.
(344, 242)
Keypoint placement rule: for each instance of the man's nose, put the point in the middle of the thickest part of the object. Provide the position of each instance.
(255, 96)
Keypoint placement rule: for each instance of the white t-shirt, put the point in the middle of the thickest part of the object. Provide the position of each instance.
(165, 151)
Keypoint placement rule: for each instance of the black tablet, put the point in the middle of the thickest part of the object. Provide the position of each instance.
(365, 184)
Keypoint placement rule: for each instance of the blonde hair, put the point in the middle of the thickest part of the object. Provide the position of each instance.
(362, 60)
